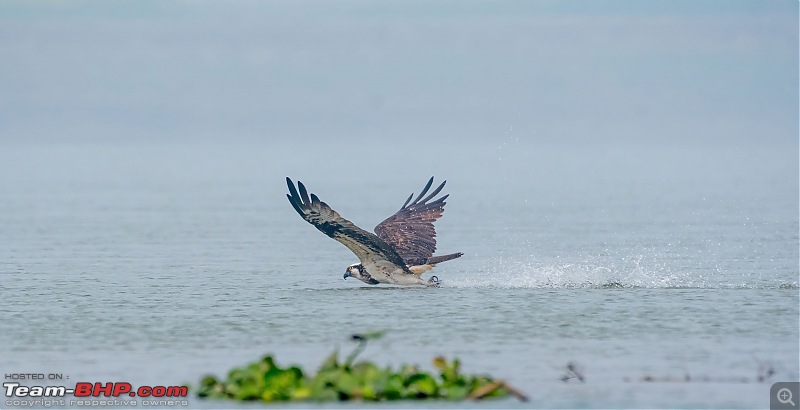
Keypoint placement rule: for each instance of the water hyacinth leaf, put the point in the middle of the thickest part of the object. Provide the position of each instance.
(449, 372)
(457, 393)
(440, 363)
(422, 385)
(327, 394)
(390, 385)
(331, 362)
(208, 381)
(210, 387)
(366, 372)
(301, 393)
(248, 393)
(369, 392)
(346, 383)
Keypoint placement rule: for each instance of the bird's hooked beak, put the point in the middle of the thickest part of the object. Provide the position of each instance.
(346, 274)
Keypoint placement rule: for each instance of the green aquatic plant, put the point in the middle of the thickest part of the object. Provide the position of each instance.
(349, 380)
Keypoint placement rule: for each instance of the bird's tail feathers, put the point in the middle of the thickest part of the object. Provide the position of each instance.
(443, 258)
(420, 266)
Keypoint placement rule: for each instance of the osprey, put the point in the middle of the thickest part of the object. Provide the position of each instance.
(401, 248)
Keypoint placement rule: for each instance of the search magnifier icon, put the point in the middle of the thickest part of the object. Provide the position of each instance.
(785, 396)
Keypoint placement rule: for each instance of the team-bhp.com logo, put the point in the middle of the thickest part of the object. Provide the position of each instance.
(86, 394)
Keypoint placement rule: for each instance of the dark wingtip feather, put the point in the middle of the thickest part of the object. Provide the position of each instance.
(292, 189)
(434, 193)
(295, 205)
(407, 201)
(303, 193)
(425, 190)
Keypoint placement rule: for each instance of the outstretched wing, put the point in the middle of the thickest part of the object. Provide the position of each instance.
(364, 244)
(410, 231)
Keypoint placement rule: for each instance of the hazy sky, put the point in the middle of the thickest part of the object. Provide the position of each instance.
(711, 71)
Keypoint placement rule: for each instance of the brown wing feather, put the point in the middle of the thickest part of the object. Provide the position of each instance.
(410, 230)
(364, 244)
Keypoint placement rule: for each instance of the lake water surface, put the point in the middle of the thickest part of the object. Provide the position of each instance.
(159, 263)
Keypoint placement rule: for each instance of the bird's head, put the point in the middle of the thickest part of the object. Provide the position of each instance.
(354, 271)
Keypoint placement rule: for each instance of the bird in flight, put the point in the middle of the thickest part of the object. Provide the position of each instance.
(400, 250)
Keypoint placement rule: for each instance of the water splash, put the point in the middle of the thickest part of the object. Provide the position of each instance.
(521, 275)
(632, 272)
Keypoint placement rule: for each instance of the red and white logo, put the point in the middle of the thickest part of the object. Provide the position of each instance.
(87, 394)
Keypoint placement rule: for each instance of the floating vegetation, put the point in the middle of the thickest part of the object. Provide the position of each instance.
(339, 380)
(573, 370)
(765, 372)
